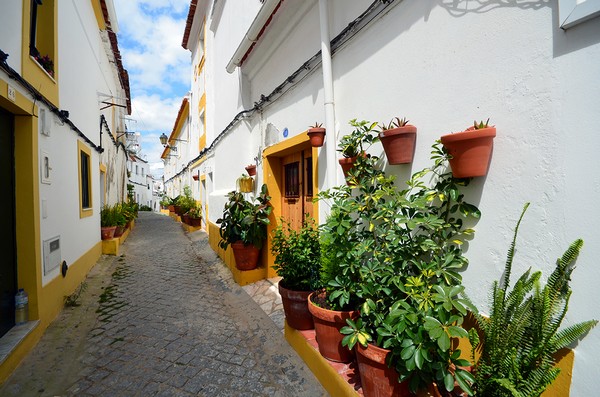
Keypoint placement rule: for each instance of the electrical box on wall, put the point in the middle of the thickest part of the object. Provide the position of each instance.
(52, 256)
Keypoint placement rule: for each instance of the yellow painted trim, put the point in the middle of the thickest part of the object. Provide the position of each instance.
(103, 176)
(31, 70)
(272, 177)
(180, 120)
(200, 66)
(320, 367)
(111, 247)
(198, 162)
(99, 14)
(21, 106)
(81, 147)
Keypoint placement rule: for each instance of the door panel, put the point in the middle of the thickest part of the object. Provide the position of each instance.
(296, 199)
(8, 273)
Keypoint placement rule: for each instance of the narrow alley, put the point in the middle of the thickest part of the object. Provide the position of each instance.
(162, 319)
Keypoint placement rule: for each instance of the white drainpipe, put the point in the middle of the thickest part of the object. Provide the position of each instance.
(331, 141)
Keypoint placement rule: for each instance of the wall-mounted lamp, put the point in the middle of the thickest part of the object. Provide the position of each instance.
(164, 139)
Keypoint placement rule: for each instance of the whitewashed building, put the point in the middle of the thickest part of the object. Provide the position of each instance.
(63, 95)
(262, 72)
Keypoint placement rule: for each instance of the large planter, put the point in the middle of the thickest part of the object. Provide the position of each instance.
(177, 210)
(399, 144)
(317, 136)
(295, 307)
(185, 219)
(171, 208)
(107, 232)
(195, 222)
(327, 331)
(471, 151)
(376, 378)
(246, 255)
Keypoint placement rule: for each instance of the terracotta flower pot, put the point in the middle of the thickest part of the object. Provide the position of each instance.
(376, 378)
(195, 222)
(195, 177)
(399, 144)
(171, 208)
(107, 232)
(251, 169)
(246, 255)
(470, 150)
(295, 307)
(317, 136)
(177, 210)
(327, 331)
(185, 219)
(119, 231)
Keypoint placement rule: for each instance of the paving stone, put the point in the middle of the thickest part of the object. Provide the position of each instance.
(165, 319)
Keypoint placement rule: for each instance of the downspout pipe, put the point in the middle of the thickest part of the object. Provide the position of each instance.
(329, 103)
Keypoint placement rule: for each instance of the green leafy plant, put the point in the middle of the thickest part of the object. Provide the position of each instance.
(316, 125)
(73, 299)
(297, 255)
(195, 212)
(481, 124)
(108, 216)
(46, 62)
(186, 201)
(397, 256)
(359, 140)
(245, 220)
(396, 122)
(521, 334)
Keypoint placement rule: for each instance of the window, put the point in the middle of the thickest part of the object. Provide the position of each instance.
(41, 33)
(85, 177)
(292, 180)
(572, 12)
(137, 171)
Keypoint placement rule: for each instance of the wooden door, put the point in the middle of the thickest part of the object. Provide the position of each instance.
(296, 200)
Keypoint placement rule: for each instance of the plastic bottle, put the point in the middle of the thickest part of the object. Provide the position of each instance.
(21, 307)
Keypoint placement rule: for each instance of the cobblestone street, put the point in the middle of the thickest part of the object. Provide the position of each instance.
(163, 319)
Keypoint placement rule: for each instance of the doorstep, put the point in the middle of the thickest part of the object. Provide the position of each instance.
(14, 336)
(338, 379)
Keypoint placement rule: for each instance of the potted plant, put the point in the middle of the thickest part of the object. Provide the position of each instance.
(46, 63)
(297, 262)
(245, 183)
(398, 139)
(354, 145)
(470, 150)
(400, 268)
(195, 215)
(521, 335)
(121, 220)
(316, 133)
(108, 222)
(251, 169)
(244, 226)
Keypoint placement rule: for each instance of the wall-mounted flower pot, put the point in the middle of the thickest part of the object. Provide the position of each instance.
(471, 151)
(251, 169)
(295, 307)
(195, 177)
(327, 330)
(376, 378)
(246, 185)
(245, 255)
(399, 144)
(317, 136)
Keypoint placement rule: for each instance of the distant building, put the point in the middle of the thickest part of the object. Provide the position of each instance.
(63, 97)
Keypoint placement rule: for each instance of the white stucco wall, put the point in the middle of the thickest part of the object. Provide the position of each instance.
(442, 65)
(11, 27)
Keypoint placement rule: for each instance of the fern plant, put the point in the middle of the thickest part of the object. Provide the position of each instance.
(521, 335)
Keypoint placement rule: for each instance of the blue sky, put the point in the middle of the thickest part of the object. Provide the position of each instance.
(150, 35)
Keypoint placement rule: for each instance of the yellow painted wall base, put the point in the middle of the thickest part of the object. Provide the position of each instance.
(164, 211)
(191, 229)
(175, 217)
(111, 247)
(320, 367)
(242, 277)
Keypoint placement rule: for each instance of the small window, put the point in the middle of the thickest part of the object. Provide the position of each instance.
(41, 34)
(292, 180)
(85, 177)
